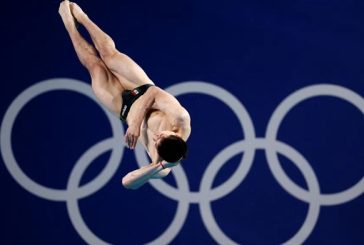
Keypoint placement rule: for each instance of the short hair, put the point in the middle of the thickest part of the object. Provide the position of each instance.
(172, 149)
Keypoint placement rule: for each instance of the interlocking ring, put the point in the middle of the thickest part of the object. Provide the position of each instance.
(182, 194)
(73, 193)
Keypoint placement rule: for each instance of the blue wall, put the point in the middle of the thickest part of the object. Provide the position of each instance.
(274, 89)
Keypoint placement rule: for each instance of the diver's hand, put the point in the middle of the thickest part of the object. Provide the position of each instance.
(131, 136)
(165, 164)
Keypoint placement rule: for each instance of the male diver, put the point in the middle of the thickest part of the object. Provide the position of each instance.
(154, 117)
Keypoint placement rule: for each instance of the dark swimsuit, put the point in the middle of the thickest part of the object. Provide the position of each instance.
(129, 97)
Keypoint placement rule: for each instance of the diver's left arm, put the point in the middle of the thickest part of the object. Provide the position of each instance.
(139, 177)
(133, 132)
(162, 173)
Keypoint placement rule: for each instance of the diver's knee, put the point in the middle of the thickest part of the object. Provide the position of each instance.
(107, 49)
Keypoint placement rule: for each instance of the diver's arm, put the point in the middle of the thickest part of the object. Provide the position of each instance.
(162, 173)
(133, 131)
(139, 177)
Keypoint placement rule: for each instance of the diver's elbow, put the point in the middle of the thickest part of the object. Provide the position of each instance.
(128, 184)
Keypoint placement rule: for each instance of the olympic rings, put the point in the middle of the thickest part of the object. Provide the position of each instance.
(182, 194)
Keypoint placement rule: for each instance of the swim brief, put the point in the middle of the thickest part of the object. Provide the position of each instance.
(129, 97)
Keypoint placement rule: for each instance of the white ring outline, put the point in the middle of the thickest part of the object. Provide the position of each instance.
(71, 196)
(6, 146)
(272, 130)
(247, 128)
(184, 195)
(261, 143)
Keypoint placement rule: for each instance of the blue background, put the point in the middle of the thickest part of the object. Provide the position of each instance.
(260, 51)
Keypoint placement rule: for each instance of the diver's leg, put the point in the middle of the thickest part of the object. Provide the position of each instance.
(86, 53)
(129, 73)
(104, 83)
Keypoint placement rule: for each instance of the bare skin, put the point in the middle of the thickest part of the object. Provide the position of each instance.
(152, 117)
